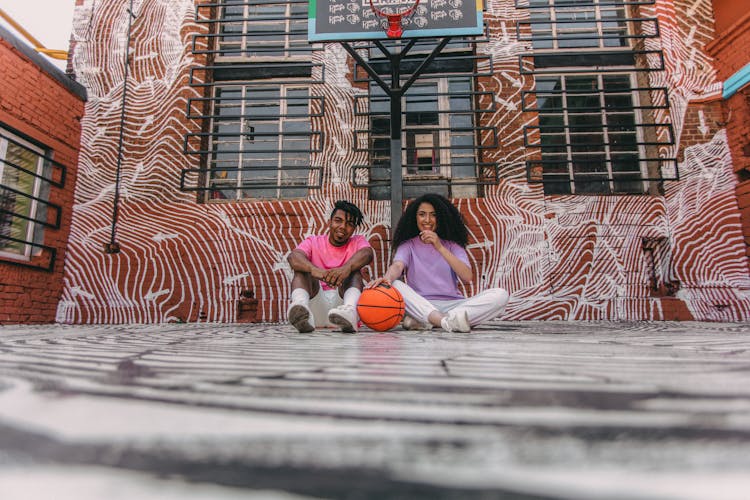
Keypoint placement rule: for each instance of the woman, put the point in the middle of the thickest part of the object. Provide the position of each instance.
(429, 250)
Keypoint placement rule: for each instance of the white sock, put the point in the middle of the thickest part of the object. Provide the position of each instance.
(351, 296)
(300, 296)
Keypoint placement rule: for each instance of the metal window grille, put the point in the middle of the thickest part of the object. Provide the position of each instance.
(596, 132)
(258, 138)
(254, 30)
(260, 142)
(27, 176)
(591, 136)
(444, 145)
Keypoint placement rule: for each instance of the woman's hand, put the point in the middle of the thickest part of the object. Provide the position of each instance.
(431, 238)
(378, 281)
(393, 273)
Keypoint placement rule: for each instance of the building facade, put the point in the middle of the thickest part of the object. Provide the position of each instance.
(584, 142)
(40, 123)
(732, 63)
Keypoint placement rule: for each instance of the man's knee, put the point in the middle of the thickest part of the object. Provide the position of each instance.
(305, 280)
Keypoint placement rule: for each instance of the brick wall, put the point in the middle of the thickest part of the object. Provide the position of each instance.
(731, 54)
(39, 103)
(727, 12)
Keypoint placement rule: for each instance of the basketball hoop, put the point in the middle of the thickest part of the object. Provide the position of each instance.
(394, 28)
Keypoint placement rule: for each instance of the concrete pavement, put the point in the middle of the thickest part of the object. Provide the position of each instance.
(513, 410)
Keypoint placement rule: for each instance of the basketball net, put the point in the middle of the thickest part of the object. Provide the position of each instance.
(394, 28)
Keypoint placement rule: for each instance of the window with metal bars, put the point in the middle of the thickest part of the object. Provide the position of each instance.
(247, 30)
(261, 142)
(570, 24)
(258, 137)
(591, 135)
(443, 141)
(438, 134)
(27, 175)
(596, 132)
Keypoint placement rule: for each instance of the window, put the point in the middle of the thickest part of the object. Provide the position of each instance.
(262, 141)
(589, 134)
(25, 181)
(445, 146)
(262, 29)
(568, 24)
(258, 138)
(438, 134)
(596, 132)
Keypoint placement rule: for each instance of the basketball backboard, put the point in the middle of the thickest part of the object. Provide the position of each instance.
(350, 20)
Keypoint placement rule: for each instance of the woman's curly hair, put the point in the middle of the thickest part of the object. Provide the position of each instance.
(450, 224)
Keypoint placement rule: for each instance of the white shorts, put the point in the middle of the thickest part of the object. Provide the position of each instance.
(323, 302)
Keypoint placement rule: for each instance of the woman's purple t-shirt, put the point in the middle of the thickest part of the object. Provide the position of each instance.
(427, 272)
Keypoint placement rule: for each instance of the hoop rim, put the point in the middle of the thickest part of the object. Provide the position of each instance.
(394, 28)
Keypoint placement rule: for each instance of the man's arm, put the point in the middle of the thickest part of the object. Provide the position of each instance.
(298, 261)
(360, 259)
(336, 276)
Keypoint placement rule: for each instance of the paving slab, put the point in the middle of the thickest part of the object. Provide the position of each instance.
(516, 410)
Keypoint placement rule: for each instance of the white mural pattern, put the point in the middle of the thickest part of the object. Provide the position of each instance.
(561, 258)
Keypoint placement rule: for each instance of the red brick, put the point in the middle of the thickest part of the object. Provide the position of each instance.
(36, 105)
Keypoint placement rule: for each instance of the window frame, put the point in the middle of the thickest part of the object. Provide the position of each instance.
(599, 58)
(606, 132)
(242, 153)
(551, 12)
(446, 153)
(42, 214)
(290, 47)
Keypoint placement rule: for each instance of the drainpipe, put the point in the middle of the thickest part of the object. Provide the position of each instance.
(113, 246)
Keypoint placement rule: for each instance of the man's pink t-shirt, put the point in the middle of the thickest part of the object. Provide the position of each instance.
(322, 254)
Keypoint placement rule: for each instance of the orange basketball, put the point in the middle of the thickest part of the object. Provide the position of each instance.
(381, 308)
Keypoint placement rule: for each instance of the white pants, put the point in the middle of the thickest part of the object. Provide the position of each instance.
(480, 308)
(323, 302)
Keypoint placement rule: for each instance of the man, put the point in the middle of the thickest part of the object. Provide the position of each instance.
(327, 279)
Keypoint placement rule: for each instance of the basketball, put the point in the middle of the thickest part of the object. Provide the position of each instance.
(381, 308)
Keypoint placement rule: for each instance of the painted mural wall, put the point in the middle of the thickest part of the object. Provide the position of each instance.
(676, 256)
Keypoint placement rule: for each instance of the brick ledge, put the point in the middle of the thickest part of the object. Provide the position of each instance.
(728, 35)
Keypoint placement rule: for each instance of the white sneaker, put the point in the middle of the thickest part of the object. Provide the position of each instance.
(300, 317)
(410, 323)
(456, 321)
(344, 316)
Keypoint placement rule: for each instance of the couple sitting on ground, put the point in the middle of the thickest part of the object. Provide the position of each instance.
(429, 245)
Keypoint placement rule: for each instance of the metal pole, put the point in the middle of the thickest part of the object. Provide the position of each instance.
(396, 92)
(113, 246)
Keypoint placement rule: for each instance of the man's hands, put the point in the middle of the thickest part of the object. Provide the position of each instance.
(318, 273)
(334, 277)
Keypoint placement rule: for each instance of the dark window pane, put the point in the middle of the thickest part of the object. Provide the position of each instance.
(583, 102)
(581, 83)
(547, 103)
(618, 101)
(585, 123)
